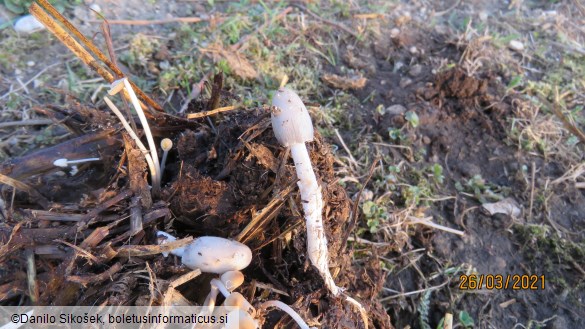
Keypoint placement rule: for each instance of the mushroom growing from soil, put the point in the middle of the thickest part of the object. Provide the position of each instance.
(226, 257)
(211, 254)
(166, 144)
(64, 163)
(293, 127)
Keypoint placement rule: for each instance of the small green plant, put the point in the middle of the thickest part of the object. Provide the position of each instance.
(466, 320)
(424, 308)
(375, 215)
(436, 170)
(412, 118)
(481, 190)
(396, 134)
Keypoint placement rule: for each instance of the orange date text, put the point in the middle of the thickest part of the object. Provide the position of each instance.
(501, 282)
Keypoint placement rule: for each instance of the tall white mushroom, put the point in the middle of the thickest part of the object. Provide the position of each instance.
(293, 127)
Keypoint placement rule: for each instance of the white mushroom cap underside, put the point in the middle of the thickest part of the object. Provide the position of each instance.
(291, 121)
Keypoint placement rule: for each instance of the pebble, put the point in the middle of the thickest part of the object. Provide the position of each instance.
(413, 50)
(516, 45)
(95, 7)
(415, 70)
(405, 82)
(397, 66)
(30, 63)
(28, 24)
(394, 33)
(395, 109)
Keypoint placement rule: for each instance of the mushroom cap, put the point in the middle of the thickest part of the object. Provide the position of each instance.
(63, 163)
(217, 255)
(291, 121)
(232, 279)
(166, 144)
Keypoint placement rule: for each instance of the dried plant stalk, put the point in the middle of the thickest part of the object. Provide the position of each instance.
(37, 11)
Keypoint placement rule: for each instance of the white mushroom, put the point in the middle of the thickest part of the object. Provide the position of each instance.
(232, 279)
(227, 283)
(166, 144)
(211, 254)
(293, 127)
(64, 163)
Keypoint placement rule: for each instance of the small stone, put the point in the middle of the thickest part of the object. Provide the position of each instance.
(367, 195)
(413, 50)
(415, 70)
(500, 263)
(483, 16)
(394, 33)
(95, 7)
(395, 109)
(28, 24)
(397, 66)
(30, 63)
(426, 140)
(516, 45)
(405, 82)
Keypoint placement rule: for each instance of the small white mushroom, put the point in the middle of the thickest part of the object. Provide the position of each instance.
(166, 144)
(64, 163)
(293, 127)
(211, 254)
(28, 24)
(516, 45)
(216, 286)
(232, 280)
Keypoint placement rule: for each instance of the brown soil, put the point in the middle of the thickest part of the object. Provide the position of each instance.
(464, 121)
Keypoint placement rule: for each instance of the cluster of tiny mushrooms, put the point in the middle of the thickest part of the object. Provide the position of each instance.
(292, 127)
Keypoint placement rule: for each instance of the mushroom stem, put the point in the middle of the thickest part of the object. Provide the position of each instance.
(115, 88)
(293, 314)
(220, 286)
(135, 137)
(64, 163)
(293, 127)
(312, 201)
(147, 132)
(210, 299)
(166, 144)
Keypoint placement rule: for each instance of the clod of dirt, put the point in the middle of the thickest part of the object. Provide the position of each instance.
(456, 84)
(344, 83)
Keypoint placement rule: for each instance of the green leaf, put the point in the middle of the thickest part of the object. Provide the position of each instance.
(15, 6)
(369, 208)
(466, 319)
(515, 82)
(412, 118)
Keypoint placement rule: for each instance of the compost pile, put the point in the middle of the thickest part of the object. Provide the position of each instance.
(86, 234)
